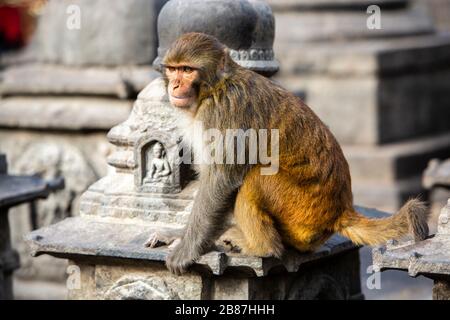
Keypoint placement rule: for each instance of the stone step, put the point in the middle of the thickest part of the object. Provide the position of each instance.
(337, 24)
(388, 196)
(62, 113)
(395, 161)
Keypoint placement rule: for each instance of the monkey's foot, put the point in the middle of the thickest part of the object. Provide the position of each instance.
(229, 245)
(232, 240)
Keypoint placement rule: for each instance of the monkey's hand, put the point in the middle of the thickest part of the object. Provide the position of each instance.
(161, 238)
(180, 259)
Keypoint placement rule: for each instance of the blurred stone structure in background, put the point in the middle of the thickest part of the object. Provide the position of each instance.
(385, 93)
(58, 100)
(16, 190)
(440, 10)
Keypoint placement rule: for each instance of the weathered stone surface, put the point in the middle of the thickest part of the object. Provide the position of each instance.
(246, 27)
(62, 113)
(439, 10)
(430, 257)
(332, 4)
(333, 280)
(393, 87)
(386, 176)
(344, 21)
(112, 32)
(142, 277)
(33, 78)
(93, 236)
(149, 282)
(90, 236)
(391, 162)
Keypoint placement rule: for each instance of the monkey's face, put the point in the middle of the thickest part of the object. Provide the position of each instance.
(182, 85)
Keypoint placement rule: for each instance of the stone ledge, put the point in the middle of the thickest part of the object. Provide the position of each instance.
(63, 113)
(363, 57)
(430, 256)
(43, 79)
(390, 162)
(285, 5)
(116, 239)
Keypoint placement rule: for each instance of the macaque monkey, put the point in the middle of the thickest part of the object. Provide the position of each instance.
(303, 204)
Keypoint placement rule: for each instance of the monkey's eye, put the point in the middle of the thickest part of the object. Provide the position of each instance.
(170, 69)
(188, 69)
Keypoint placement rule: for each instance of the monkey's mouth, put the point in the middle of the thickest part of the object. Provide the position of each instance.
(181, 97)
(182, 101)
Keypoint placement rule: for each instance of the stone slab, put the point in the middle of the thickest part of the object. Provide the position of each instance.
(282, 5)
(430, 256)
(103, 32)
(383, 109)
(362, 57)
(15, 190)
(337, 25)
(392, 162)
(121, 239)
(62, 113)
(34, 78)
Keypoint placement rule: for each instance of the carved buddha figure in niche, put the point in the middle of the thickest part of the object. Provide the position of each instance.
(158, 168)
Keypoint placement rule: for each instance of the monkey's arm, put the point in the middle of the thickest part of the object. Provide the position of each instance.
(207, 221)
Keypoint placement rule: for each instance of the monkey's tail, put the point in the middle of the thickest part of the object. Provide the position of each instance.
(412, 219)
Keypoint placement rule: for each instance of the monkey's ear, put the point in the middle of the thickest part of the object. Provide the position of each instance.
(223, 67)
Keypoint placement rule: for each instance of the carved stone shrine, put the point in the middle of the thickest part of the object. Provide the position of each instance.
(151, 189)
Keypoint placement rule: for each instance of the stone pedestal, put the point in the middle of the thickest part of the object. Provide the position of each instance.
(59, 99)
(383, 92)
(113, 264)
(117, 214)
(430, 258)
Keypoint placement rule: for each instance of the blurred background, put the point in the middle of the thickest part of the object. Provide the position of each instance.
(383, 90)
